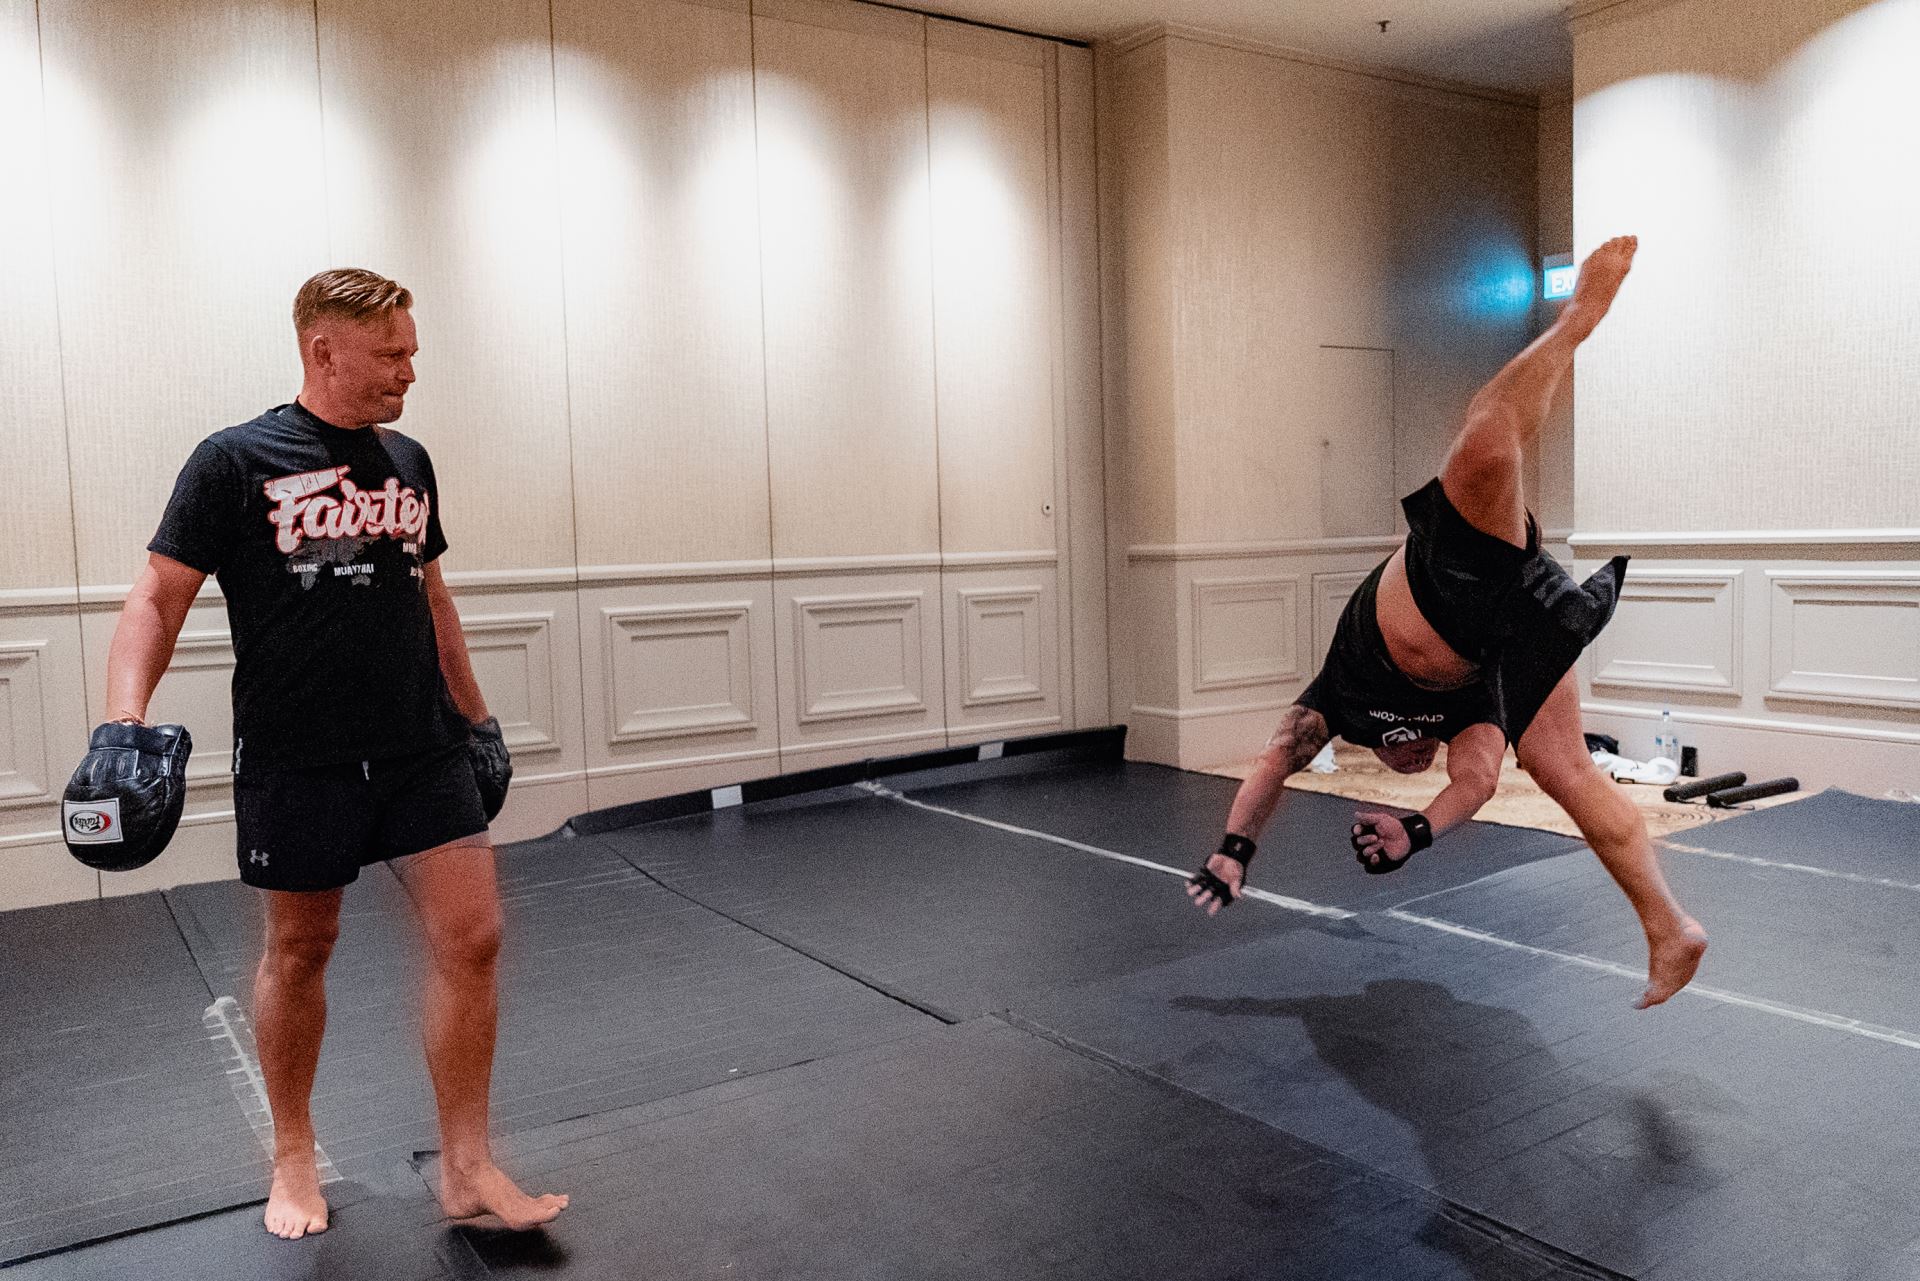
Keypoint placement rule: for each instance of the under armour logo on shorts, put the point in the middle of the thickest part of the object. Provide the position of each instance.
(258, 857)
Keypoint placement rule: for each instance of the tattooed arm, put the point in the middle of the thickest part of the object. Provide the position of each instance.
(1302, 733)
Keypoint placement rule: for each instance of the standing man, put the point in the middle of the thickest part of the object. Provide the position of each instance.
(354, 707)
(1468, 635)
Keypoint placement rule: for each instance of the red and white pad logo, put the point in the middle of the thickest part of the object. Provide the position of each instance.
(92, 822)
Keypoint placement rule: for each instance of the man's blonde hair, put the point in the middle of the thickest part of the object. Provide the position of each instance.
(351, 292)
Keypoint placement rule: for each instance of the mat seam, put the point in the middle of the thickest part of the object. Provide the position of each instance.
(872, 985)
(1468, 1217)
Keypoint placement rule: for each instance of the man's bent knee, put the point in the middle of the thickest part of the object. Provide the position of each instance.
(299, 954)
(470, 945)
(1596, 804)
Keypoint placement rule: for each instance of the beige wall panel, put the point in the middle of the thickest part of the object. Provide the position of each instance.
(525, 646)
(196, 691)
(37, 547)
(859, 664)
(1002, 652)
(44, 723)
(1353, 391)
(43, 873)
(1464, 244)
(1553, 491)
(1153, 633)
(995, 289)
(658, 201)
(1283, 179)
(847, 265)
(184, 153)
(1826, 659)
(1322, 207)
(1137, 245)
(1848, 637)
(1245, 630)
(1759, 369)
(1086, 481)
(1676, 633)
(679, 685)
(441, 172)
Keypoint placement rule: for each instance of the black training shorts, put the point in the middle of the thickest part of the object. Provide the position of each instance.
(1512, 610)
(314, 829)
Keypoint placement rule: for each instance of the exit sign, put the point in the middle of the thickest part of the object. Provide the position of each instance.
(1558, 274)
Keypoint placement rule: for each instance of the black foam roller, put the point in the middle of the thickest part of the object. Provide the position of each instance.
(1701, 786)
(1752, 792)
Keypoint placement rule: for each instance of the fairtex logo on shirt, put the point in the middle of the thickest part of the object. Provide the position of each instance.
(307, 511)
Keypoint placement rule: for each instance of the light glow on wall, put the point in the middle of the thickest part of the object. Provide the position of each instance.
(509, 184)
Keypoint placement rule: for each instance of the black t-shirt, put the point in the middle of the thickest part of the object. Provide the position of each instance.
(1368, 701)
(319, 536)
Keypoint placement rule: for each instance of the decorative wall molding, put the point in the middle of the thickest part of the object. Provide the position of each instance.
(845, 633)
(1695, 646)
(1818, 729)
(681, 762)
(1208, 713)
(1246, 551)
(1875, 621)
(1330, 593)
(38, 599)
(793, 566)
(1245, 631)
(1757, 538)
(986, 677)
(610, 575)
(1147, 35)
(531, 636)
(999, 560)
(633, 715)
(476, 579)
(1584, 15)
(26, 773)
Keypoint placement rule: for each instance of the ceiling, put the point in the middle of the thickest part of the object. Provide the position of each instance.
(1520, 46)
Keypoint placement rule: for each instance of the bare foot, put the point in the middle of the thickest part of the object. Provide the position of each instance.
(1600, 278)
(467, 1194)
(1671, 963)
(295, 1207)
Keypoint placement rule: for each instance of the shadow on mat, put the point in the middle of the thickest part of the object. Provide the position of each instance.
(1403, 1047)
(533, 1251)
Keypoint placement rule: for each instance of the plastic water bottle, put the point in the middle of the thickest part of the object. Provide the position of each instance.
(1666, 741)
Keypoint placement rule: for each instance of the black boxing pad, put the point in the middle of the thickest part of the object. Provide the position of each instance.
(492, 765)
(124, 801)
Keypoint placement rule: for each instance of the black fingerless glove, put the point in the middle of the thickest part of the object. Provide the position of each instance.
(1237, 848)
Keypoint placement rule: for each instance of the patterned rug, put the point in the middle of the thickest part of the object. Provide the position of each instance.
(1518, 803)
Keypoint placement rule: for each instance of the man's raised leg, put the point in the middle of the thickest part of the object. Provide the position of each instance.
(1554, 752)
(290, 1017)
(455, 890)
(1482, 472)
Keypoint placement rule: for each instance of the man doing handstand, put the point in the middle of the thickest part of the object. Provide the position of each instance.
(1468, 635)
